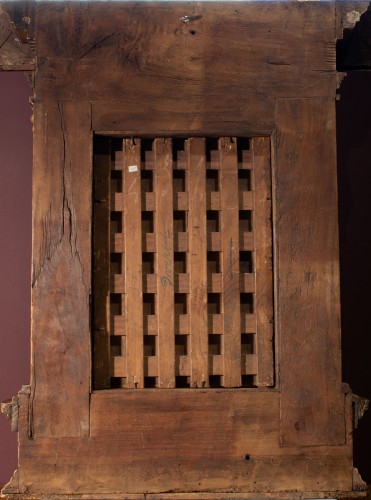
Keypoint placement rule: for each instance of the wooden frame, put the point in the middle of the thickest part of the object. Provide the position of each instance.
(262, 70)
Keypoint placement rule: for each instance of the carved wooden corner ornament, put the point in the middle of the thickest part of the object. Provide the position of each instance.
(185, 274)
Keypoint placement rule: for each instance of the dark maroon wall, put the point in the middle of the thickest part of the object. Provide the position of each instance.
(15, 250)
(354, 169)
(354, 160)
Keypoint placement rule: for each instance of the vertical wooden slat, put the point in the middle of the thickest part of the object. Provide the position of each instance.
(230, 261)
(61, 273)
(101, 263)
(163, 175)
(133, 262)
(195, 150)
(262, 229)
(312, 405)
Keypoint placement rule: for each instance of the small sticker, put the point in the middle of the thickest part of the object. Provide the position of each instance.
(133, 168)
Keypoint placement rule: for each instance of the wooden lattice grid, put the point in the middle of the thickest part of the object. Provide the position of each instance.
(183, 291)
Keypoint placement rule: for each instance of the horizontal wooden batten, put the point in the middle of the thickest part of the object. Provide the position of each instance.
(213, 201)
(246, 201)
(118, 283)
(214, 242)
(248, 323)
(216, 365)
(181, 201)
(247, 282)
(249, 363)
(183, 366)
(119, 366)
(246, 240)
(150, 366)
(182, 324)
(150, 324)
(118, 325)
(149, 283)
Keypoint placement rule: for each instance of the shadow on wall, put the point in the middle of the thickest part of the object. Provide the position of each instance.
(15, 251)
(354, 170)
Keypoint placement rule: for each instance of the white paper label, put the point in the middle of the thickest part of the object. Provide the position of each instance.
(133, 168)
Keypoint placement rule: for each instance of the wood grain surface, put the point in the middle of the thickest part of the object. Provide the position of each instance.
(261, 70)
(61, 348)
(308, 297)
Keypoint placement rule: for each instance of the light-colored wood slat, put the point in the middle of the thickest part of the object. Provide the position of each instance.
(183, 366)
(247, 200)
(150, 283)
(261, 177)
(117, 202)
(149, 242)
(249, 364)
(180, 242)
(101, 269)
(119, 366)
(181, 283)
(117, 243)
(214, 242)
(247, 240)
(149, 202)
(150, 324)
(118, 326)
(247, 282)
(163, 181)
(215, 283)
(182, 324)
(197, 262)
(118, 283)
(181, 201)
(133, 263)
(213, 200)
(248, 323)
(216, 365)
(230, 261)
(215, 323)
(151, 368)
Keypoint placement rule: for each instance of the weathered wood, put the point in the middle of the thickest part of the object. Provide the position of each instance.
(172, 113)
(61, 270)
(133, 263)
(246, 457)
(230, 262)
(195, 149)
(148, 52)
(145, 70)
(163, 173)
(312, 408)
(262, 228)
(101, 264)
